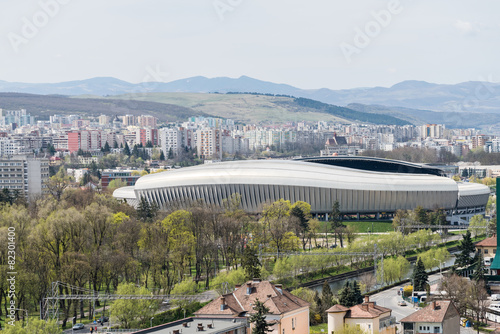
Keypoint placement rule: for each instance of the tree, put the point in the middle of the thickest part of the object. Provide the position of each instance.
(420, 276)
(336, 226)
(479, 271)
(456, 290)
(477, 225)
(258, 319)
(477, 297)
(126, 149)
(350, 295)
(466, 248)
(357, 297)
(302, 212)
(326, 297)
(162, 155)
(34, 326)
(145, 210)
(58, 183)
(116, 183)
(170, 154)
(132, 311)
(250, 263)
(106, 148)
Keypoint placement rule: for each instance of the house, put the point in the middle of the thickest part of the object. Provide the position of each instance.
(440, 316)
(367, 315)
(288, 314)
(488, 248)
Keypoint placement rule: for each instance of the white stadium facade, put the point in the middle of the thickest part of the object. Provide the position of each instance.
(364, 187)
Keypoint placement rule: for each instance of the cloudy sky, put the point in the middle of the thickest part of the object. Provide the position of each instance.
(309, 44)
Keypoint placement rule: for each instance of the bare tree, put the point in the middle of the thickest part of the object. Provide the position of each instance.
(476, 300)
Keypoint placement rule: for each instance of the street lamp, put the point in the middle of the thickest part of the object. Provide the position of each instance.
(151, 321)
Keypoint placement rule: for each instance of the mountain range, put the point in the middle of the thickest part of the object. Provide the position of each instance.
(473, 103)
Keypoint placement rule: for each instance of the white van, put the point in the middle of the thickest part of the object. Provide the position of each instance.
(495, 297)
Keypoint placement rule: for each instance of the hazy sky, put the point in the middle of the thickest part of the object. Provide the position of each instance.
(309, 44)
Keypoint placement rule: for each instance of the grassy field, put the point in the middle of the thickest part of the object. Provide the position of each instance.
(245, 108)
(317, 329)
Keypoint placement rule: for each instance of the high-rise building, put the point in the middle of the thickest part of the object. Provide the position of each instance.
(171, 139)
(26, 175)
(209, 143)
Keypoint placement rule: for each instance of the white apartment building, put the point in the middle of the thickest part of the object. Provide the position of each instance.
(171, 139)
(24, 174)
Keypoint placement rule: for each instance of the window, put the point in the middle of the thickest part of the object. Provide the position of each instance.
(436, 329)
(485, 251)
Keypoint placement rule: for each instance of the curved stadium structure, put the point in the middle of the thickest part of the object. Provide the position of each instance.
(359, 189)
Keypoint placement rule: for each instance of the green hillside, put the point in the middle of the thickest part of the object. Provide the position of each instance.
(263, 109)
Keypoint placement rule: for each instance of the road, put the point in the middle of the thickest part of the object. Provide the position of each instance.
(389, 298)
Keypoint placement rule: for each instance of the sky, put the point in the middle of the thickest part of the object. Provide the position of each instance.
(308, 44)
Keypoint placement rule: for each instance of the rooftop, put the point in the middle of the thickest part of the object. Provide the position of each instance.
(488, 242)
(367, 310)
(241, 301)
(194, 325)
(434, 312)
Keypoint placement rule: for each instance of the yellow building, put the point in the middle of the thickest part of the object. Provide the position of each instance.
(288, 314)
(367, 316)
(488, 248)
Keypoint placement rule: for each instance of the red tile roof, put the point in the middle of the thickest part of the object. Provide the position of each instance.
(367, 310)
(278, 301)
(364, 310)
(337, 308)
(488, 242)
(431, 313)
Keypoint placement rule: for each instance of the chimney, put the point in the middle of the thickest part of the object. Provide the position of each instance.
(364, 307)
(433, 304)
(249, 288)
(222, 303)
(256, 280)
(367, 299)
(237, 286)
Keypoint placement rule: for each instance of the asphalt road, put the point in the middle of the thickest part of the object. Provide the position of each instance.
(389, 298)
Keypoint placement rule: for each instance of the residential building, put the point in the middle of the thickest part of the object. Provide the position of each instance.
(368, 316)
(209, 143)
(26, 175)
(143, 136)
(488, 248)
(146, 121)
(440, 316)
(287, 313)
(129, 120)
(170, 139)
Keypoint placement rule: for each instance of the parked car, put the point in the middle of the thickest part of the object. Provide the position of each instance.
(102, 320)
(495, 297)
(78, 326)
(401, 303)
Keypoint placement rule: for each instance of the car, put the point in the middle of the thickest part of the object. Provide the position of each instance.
(78, 326)
(102, 320)
(495, 297)
(401, 303)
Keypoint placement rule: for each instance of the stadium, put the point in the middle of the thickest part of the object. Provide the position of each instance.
(366, 188)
